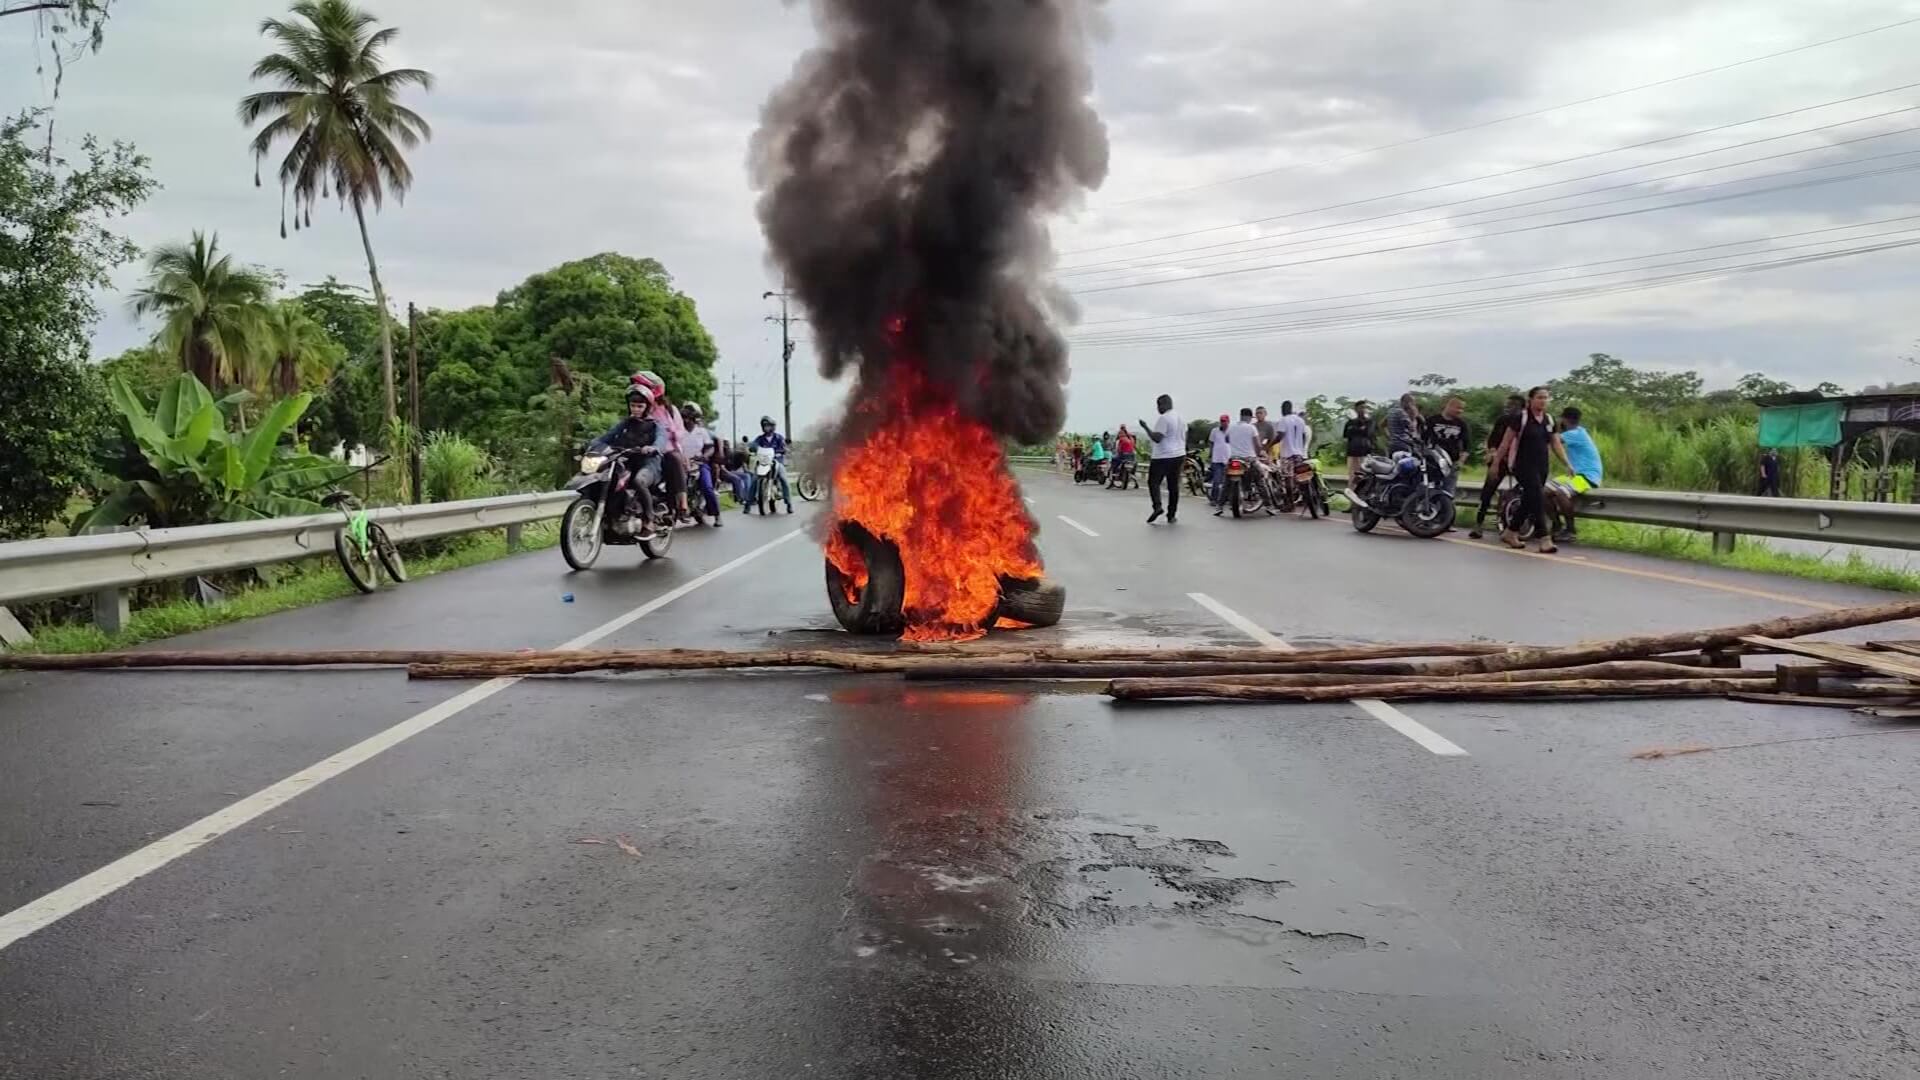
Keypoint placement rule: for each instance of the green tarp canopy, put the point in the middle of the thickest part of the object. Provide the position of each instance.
(1815, 424)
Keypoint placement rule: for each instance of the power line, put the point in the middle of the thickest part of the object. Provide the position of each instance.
(1293, 240)
(1517, 116)
(1485, 277)
(1819, 182)
(1471, 307)
(1195, 330)
(1497, 175)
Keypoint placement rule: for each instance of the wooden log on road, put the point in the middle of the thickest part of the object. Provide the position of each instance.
(1630, 648)
(1002, 669)
(573, 663)
(1453, 689)
(1204, 653)
(1612, 669)
(241, 659)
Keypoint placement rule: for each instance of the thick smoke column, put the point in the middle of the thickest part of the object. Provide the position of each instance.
(906, 169)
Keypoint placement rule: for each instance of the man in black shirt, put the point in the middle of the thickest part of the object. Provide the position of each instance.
(1495, 467)
(1448, 431)
(1359, 438)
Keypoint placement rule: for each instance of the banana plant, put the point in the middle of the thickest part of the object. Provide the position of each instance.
(190, 468)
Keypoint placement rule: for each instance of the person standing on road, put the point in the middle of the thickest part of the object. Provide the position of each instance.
(1218, 454)
(1123, 456)
(1403, 426)
(1528, 450)
(1496, 465)
(1169, 435)
(1448, 431)
(1268, 432)
(1359, 439)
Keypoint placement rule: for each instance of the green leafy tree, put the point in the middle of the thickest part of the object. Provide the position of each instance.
(145, 368)
(56, 251)
(346, 409)
(190, 468)
(299, 354)
(609, 316)
(340, 113)
(213, 312)
(1755, 385)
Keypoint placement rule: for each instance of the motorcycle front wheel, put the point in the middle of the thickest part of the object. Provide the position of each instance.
(580, 539)
(1427, 513)
(807, 487)
(1364, 519)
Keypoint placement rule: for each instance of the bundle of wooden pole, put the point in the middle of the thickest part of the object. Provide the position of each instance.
(1682, 664)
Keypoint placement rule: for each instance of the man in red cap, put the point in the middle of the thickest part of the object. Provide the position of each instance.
(1220, 454)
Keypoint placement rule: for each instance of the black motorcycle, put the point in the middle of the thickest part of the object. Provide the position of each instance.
(1247, 489)
(608, 509)
(1408, 487)
(1090, 472)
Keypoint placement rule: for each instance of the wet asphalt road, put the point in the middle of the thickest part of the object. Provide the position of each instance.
(840, 877)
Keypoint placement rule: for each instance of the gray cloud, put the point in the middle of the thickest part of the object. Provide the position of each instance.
(577, 126)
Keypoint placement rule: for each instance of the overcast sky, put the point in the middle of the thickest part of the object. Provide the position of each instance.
(576, 126)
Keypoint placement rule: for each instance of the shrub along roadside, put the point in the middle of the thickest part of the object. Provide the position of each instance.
(310, 582)
(1752, 553)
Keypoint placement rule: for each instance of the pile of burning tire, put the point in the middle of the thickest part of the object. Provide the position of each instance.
(876, 607)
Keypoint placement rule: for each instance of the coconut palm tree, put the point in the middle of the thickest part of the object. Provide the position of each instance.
(297, 350)
(214, 312)
(346, 127)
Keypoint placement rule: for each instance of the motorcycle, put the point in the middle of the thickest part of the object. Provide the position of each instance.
(1306, 491)
(1090, 472)
(607, 510)
(1408, 487)
(1195, 475)
(1559, 498)
(1123, 475)
(767, 474)
(1246, 489)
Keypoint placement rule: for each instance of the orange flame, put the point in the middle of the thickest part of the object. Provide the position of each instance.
(935, 482)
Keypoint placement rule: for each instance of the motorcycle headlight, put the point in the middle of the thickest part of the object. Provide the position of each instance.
(591, 463)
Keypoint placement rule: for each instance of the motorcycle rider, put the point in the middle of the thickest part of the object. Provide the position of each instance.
(638, 430)
(1293, 440)
(703, 453)
(1359, 438)
(673, 465)
(1403, 426)
(1123, 456)
(1243, 443)
(1585, 471)
(770, 438)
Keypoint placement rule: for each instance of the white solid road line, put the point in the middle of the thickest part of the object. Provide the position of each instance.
(1076, 524)
(127, 869)
(1379, 710)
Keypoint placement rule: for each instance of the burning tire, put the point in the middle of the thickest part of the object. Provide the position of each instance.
(872, 607)
(875, 606)
(1034, 603)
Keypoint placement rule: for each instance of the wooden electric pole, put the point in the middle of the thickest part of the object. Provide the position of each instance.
(785, 319)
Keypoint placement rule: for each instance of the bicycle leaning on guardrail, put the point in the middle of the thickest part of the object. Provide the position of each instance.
(362, 546)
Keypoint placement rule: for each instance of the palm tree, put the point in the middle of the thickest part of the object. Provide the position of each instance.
(297, 350)
(347, 129)
(214, 311)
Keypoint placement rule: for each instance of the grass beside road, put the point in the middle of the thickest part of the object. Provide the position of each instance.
(309, 582)
(1749, 553)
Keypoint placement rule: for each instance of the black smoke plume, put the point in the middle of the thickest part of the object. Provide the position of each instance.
(906, 168)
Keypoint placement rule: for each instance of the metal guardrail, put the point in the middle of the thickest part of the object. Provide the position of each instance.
(105, 564)
(1890, 525)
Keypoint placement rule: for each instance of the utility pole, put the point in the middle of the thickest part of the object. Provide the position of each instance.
(413, 405)
(733, 405)
(786, 355)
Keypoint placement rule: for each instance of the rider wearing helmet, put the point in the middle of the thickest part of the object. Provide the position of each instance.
(769, 437)
(638, 431)
(672, 434)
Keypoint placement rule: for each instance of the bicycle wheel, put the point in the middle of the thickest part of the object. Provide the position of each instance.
(389, 553)
(359, 563)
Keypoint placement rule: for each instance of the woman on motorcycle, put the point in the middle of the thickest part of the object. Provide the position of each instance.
(672, 435)
(638, 430)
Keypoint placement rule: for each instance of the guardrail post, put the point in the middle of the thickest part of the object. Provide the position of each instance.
(12, 634)
(1723, 543)
(513, 537)
(111, 610)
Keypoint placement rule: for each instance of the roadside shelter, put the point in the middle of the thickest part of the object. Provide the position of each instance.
(1836, 425)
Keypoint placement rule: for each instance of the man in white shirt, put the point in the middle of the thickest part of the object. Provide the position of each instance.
(1169, 435)
(1294, 439)
(698, 445)
(1221, 453)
